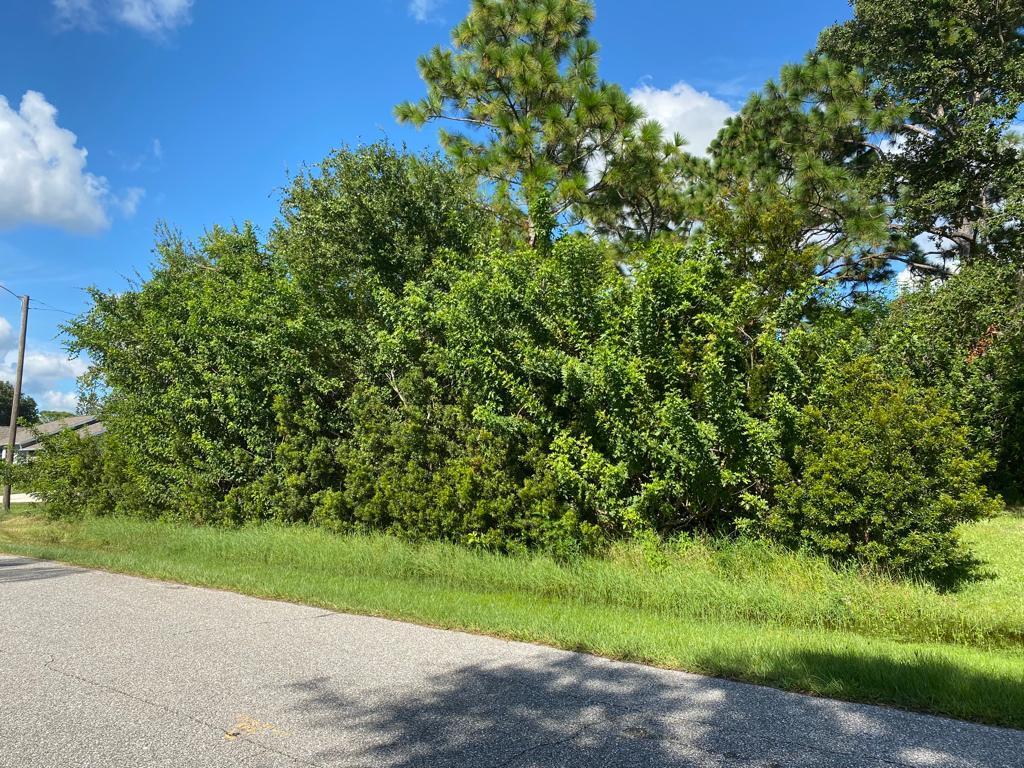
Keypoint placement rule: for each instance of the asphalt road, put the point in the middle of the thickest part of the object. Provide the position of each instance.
(111, 671)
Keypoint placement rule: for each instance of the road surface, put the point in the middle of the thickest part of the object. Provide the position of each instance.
(111, 671)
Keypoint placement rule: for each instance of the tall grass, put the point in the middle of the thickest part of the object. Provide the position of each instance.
(740, 609)
(702, 579)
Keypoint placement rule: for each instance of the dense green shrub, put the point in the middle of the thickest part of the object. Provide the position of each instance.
(664, 400)
(191, 362)
(69, 475)
(227, 371)
(883, 475)
(542, 398)
(454, 417)
(387, 360)
(354, 232)
(965, 338)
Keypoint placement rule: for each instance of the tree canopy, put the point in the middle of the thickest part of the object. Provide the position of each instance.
(549, 137)
(28, 410)
(890, 145)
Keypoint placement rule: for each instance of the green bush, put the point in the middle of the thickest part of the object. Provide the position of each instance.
(965, 338)
(69, 475)
(387, 360)
(356, 232)
(13, 475)
(883, 475)
(190, 361)
(542, 398)
(460, 396)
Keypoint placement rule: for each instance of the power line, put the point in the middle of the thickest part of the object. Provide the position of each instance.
(41, 306)
(15, 295)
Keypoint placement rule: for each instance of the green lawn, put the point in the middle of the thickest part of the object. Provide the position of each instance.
(746, 611)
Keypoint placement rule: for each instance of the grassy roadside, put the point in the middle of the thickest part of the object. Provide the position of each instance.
(18, 510)
(749, 612)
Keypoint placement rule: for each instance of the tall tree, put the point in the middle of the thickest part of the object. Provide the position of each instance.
(945, 82)
(535, 121)
(890, 143)
(28, 411)
(788, 191)
(647, 187)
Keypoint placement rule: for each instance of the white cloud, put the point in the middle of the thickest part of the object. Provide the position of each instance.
(49, 376)
(45, 372)
(7, 341)
(154, 16)
(77, 13)
(43, 179)
(44, 368)
(128, 202)
(894, 146)
(423, 10)
(42, 172)
(908, 280)
(54, 400)
(151, 17)
(81, 14)
(696, 115)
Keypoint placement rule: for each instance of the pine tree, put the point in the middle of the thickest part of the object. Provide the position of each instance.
(647, 187)
(787, 188)
(896, 126)
(945, 79)
(536, 122)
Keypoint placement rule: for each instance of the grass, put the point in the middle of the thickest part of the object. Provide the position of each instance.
(20, 509)
(744, 610)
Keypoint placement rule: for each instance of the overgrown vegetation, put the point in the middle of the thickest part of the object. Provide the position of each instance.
(567, 331)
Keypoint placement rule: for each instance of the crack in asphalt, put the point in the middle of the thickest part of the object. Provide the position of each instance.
(543, 745)
(49, 665)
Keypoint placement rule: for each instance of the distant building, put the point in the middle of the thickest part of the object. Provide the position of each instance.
(28, 440)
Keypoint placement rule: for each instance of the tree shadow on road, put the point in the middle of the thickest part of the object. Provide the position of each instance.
(580, 711)
(22, 569)
(926, 683)
(563, 713)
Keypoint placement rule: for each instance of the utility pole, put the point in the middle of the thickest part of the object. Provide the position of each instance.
(17, 398)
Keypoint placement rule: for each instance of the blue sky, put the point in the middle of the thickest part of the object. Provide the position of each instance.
(117, 114)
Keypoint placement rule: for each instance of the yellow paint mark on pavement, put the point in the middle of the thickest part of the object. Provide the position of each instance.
(250, 726)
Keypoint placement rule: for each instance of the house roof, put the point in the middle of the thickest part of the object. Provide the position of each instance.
(27, 438)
